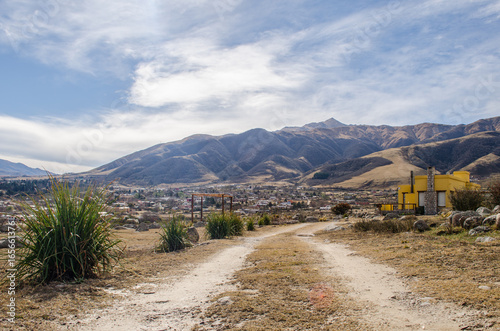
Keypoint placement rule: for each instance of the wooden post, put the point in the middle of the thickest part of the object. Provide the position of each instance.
(201, 210)
(231, 204)
(192, 208)
(223, 205)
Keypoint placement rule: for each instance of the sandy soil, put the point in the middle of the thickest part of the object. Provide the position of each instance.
(177, 303)
(390, 305)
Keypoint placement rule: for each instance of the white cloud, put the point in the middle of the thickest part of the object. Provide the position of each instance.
(391, 63)
(203, 71)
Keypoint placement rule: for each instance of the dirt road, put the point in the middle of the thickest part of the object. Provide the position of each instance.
(389, 304)
(178, 303)
(175, 304)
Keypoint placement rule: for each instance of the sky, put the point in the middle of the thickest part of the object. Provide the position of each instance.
(83, 83)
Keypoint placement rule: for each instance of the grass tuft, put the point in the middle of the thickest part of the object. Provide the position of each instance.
(173, 236)
(66, 237)
(222, 226)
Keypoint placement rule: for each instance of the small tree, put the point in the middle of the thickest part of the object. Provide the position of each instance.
(341, 208)
(466, 199)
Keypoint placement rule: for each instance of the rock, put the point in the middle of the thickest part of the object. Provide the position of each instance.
(199, 224)
(308, 235)
(472, 222)
(142, 227)
(154, 225)
(490, 220)
(17, 241)
(484, 239)
(121, 227)
(390, 216)
(496, 210)
(130, 226)
(332, 228)
(311, 219)
(421, 226)
(484, 287)
(225, 301)
(483, 211)
(458, 219)
(479, 229)
(192, 235)
(452, 214)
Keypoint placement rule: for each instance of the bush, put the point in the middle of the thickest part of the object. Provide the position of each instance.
(173, 236)
(265, 220)
(236, 225)
(386, 226)
(341, 208)
(68, 238)
(466, 199)
(222, 226)
(494, 190)
(217, 227)
(250, 225)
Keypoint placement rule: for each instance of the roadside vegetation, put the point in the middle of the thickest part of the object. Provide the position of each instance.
(173, 236)
(386, 226)
(466, 199)
(66, 235)
(220, 226)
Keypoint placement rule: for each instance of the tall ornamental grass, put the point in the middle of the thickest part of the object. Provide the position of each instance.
(173, 236)
(66, 236)
(223, 226)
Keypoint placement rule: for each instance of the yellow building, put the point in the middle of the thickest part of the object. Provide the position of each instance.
(432, 191)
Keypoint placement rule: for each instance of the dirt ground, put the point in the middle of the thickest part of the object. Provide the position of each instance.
(290, 277)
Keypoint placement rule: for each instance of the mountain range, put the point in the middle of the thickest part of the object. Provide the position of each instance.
(323, 153)
(11, 169)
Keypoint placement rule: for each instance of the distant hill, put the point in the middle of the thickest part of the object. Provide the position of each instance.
(478, 153)
(11, 169)
(292, 154)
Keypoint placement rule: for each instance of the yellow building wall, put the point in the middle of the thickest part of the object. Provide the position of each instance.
(447, 183)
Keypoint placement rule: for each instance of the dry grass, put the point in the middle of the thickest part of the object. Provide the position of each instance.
(43, 307)
(450, 268)
(283, 288)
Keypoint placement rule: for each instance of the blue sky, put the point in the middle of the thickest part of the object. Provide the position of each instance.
(85, 82)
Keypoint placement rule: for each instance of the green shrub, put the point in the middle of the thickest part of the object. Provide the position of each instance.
(66, 237)
(341, 208)
(250, 225)
(222, 226)
(266, 220)
(236, 225)
(173, 236)
(386, 226)
(466, 199)
(217, 227)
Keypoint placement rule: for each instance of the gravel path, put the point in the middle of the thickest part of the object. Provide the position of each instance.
(177, 304)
